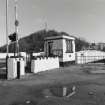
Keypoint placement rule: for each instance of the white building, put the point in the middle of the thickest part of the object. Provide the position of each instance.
(61, 45)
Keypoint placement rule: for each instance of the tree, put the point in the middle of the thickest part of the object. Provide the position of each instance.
(35, 41)
(81, 44)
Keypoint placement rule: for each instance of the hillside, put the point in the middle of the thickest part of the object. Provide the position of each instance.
(35, 42)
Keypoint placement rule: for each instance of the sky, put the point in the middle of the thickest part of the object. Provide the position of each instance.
(82, 18)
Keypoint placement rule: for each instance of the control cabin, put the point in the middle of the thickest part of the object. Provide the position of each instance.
(61, 45)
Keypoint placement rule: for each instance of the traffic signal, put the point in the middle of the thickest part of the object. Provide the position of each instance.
(12, 37)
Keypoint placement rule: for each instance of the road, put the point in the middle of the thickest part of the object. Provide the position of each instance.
(31, 89)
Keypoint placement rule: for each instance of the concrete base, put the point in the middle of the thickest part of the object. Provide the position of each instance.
(68, 63)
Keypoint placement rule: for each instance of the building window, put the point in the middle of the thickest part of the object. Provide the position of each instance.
(69, 46)
(58, 52)
(50, 47)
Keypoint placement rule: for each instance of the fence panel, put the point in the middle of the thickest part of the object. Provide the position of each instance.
(89, 59)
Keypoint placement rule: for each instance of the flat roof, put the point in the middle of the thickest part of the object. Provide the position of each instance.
(61, 35)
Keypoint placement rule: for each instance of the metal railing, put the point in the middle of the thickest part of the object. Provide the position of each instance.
(89, 59)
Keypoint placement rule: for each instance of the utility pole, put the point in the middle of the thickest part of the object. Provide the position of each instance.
(7, 27)
(16, 28)
(7, 47)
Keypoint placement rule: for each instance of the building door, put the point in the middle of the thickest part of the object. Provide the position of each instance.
(50, 52)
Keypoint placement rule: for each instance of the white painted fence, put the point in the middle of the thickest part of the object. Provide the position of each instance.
(44, 64)
(3, 55)
(38, 54)
(87, 56)
(12, 67)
